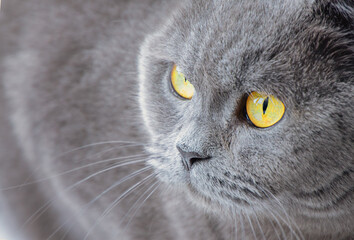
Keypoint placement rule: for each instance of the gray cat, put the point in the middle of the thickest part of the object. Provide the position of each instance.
(177, 119)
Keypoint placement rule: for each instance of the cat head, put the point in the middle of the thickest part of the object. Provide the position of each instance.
(300, 53)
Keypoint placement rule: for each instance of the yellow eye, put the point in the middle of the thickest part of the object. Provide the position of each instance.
(264, 110)
(181, 85)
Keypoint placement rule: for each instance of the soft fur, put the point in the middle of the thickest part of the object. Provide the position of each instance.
(84, 81)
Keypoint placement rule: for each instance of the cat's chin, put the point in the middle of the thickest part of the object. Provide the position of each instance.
(207, 204)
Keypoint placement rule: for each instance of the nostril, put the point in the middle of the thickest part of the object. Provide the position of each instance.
(190, 158)
(194, 160)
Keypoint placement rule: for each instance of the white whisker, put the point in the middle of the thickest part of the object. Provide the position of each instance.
(97, 144)
(76, 169)
(58, 229)
(115, 202)
(288, 225)
(242, 226)
(251, 225)
(260, 227)
(275, 229)
(235, 227)
(34, 172)
(120, 181)
(47, 204)
(277, 221)
(87, 205)
(287, 215)
(137, 201)
(140, 205)
(289, 221)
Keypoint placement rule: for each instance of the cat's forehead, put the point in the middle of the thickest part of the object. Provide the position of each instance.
(218, 41)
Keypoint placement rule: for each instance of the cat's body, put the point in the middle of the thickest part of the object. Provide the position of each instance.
(71, 75)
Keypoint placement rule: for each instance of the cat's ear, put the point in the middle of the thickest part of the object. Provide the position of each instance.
(334, 33)
(338, 13)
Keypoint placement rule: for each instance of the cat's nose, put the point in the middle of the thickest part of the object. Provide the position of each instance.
(190, 158)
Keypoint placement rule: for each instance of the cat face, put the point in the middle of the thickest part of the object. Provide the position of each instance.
(228, 49)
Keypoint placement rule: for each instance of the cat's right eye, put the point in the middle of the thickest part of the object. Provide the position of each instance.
(264, 110)
(180, 84)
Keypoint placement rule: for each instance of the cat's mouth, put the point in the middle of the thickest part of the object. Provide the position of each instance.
(203, 183)
(222, 191)
(215, 203)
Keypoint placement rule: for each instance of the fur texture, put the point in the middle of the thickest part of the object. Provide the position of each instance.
(96, 74)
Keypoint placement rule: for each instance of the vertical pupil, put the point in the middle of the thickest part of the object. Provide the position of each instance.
(265, 105)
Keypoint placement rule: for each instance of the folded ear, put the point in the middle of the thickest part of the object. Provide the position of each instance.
(333, 38)
(338, 13)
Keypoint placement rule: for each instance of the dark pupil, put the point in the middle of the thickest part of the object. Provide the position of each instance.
(265, 105)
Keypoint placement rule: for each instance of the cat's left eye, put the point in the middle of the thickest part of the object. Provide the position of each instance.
(264, 110)
(180, 84)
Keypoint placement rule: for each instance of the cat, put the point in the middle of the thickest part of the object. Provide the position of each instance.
(138, 119)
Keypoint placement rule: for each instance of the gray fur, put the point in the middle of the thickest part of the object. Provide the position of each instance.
(80, 72)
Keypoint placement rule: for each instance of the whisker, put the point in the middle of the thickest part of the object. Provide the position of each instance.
(286, 215)
(288, 225)
(46, 206)
(116, 202)
(34, 172)
(75, 169)
(251, 225)
(126, 193)
(275, 229)
(65, 234)
(137, 201)
(26, 180)
(235, 228)
(232, 236)
(277, 221)
(260, 227)
(141, 204)
(120, 182)
(58, 229)
(242, 226)
(38, 213)
(99, 143)
(87, 205)
(101, 153)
